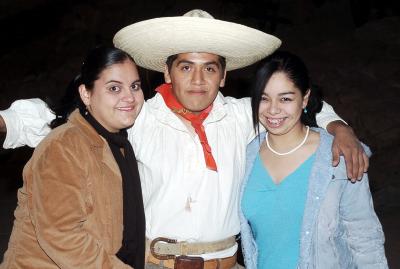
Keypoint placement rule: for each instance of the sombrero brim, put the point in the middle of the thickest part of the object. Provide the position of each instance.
(150, 42)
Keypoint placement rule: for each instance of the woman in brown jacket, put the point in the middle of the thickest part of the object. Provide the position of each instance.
(81, 203)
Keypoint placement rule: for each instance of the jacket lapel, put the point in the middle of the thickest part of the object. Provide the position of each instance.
(320, 178)
(109, 161)
(97, 144)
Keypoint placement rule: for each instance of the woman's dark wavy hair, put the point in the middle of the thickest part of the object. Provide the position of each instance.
(97, 59)
(296, 71)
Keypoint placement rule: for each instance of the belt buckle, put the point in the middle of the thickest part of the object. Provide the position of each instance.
(186, 262)
(161, 256)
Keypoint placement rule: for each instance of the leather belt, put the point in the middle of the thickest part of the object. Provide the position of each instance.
(164, 248)
(167, 252)
(223, 263)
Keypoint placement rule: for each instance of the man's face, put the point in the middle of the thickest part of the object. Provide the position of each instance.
(196, 79)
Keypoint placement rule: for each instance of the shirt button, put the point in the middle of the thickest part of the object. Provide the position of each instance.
(307, 232)
(317, 197)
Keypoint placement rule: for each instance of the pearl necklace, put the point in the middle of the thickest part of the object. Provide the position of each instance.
(290, 151)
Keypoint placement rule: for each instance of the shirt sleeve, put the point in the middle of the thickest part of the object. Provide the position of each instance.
(242, 112)
(59, 207)
(27, 122)
(327, 115)
(135, 132)
(248, 118)
(365, 234)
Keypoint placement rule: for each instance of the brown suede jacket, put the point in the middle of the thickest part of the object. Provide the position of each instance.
(69, 212)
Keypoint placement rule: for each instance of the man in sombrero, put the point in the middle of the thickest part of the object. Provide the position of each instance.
(189, 140)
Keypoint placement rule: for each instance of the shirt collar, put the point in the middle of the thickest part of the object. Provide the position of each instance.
(166, 116)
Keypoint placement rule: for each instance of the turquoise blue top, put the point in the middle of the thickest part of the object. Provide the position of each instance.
(354, 236)
(275, 214)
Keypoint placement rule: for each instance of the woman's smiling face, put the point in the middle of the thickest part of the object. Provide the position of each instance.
(116, 98)
(281, 104)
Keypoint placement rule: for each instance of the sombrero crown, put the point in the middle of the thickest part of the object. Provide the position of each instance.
(150, 42)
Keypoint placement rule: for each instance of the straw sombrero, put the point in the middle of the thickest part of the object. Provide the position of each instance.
(150, 42)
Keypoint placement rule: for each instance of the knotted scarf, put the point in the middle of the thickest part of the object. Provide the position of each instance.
(196, 120)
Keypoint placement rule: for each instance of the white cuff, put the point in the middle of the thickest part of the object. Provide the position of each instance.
(26, 122)
(327, 115)
(12, 125)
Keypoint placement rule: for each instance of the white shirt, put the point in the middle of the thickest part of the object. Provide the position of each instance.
(183, 199)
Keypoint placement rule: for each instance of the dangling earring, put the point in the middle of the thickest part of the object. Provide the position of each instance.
(86, 110)
(305, 110)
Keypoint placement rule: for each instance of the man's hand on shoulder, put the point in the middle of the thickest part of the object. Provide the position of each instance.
(347, 144)
(3, 128)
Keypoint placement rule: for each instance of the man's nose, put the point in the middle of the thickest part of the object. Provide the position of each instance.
(198, 76)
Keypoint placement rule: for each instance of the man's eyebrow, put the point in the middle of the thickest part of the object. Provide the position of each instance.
(213, 63)
(184, 62)
(205, 63)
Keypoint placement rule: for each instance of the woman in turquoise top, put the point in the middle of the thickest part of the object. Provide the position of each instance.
(297, 210)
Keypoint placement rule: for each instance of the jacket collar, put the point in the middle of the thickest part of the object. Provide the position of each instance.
(98, 145)
(88, 131)
(321, 175)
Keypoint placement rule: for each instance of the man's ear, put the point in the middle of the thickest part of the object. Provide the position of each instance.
(167, 77)
(222, 82)
(84, 94)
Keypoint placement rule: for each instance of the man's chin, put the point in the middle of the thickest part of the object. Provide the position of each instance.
(196, 110)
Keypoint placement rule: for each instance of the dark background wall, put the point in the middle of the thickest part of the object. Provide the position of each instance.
(352, 48)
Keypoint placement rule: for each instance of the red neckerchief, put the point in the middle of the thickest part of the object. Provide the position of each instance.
(195, 119)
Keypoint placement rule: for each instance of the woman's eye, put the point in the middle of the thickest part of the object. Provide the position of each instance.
(115, 89)
(263, 98)
(135, 87)
(286, 99)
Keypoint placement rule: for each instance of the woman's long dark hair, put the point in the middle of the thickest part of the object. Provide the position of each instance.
(97, 59)
(295, 69)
